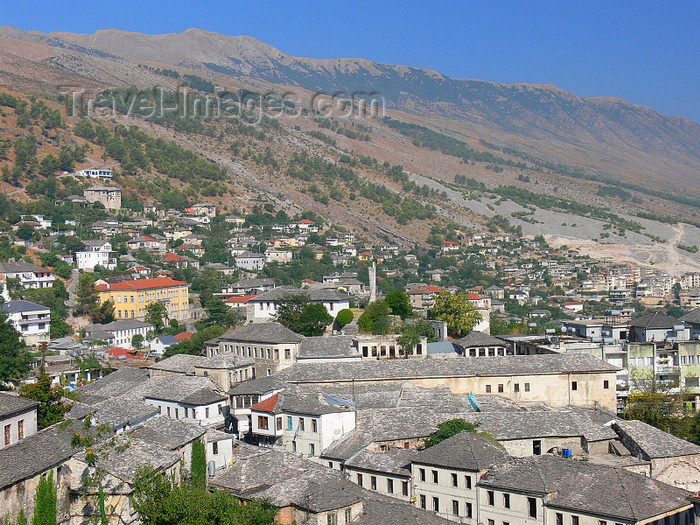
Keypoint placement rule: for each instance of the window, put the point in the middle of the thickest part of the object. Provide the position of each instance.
(455, 507)
(500, 388)
(468, 481)
(491, 498)
(348, 515)
(373, 482)
(516, 387)
(436, 504)
(527, 387)
(574, 520)
(606, 384)
(435, 476)
(469, 510)
(330, 464)
(454, 480)
(422, 474)
(488, 389)
(302, 424)
(287, 354)
(490, 522)
(294, 447)
(422, 501)
(314, 425)
(20, 429)
(262, 422)
(177, 413)
(602, 522)
(215, 447)
(506, 501)
(390, 486)
(312, 449)
(404, 488)
(7, 434)
(574, 385)
(559, 518)
(532, 507)
(537, 447)
(206, 413)
(168, 411)
(359, 479)
(332, 519)
(279, 423)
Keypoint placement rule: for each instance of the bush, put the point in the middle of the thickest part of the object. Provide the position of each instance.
(344, 317)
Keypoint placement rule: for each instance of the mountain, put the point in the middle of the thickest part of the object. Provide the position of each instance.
(598, 173)
(610, 128)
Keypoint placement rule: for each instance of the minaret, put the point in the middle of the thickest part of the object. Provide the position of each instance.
(373, 282)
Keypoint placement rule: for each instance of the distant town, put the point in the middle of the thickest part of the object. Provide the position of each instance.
(490, 379)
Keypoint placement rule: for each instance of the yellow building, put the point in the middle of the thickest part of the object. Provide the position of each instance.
(130, 298)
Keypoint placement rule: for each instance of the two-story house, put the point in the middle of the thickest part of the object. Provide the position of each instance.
(96, 253)
(31, 320)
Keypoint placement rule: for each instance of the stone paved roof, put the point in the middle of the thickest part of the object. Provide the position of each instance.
(11, 404)
(655, 321)
(179, 363)
(655, 443)
(269, 333)
(587, 488)
(476, 338)
(327, 347)
(691, 317)
(189, 390)
(112, 385)
(167, 432)
(466, 451)
(22, 306)
(395, 461)
(378, 509)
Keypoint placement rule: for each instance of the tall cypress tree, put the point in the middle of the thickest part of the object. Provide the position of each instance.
(45, 504)
(199, 465)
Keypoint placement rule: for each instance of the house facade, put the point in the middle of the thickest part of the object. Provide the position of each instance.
(131, 298)
(110, 197)
(31, 320)
(96, 253)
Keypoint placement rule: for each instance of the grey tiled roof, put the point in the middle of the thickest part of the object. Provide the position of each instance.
(328, 347)
(126, 410)
(314, 404)
(226, 361)
(268, 333)
(587, 488)
(167, 432)
(475, 338)
(179, 363)
(22, 306)
(11, 404)
(466, 451)
(691, 317)
(395, 461)
(655, 321)
(286, 479)
(113, 385)
(20, 267)
(655, 443)
(189, 390)
(378, 509)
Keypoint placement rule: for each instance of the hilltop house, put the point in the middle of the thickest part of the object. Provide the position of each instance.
(96, 253)
(110, 197)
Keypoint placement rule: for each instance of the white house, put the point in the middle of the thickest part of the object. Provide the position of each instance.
(264, 307)
(95, 173)
(120, 333)
(250, 261)
(96, 253)
(17, 419)
(160, 344)
(29, 275)
(31, 320)
(195, 399)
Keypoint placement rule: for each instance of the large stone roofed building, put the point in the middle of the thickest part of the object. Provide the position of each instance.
(549, 489)
(464, 451)
(109, 196)
(17, 418)
(556, 379)
(334, 348)
(226, 370)
(308, 493)
(386, 472)
(131, 298)
(264, 307)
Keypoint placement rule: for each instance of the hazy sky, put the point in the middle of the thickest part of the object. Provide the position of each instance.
(646, 52)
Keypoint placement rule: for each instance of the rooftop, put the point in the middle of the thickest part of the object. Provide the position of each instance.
(655, 443)
(19, 306)
(466, 450)
(476, 338)
(270, 333)
(141, 284)
(11, 404)
(328, 347)
(655, 321)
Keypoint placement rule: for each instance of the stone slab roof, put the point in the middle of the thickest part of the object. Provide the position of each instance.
(654, 443)
(587, 488)
(179, 363)
(268, 333)
(113, 385)
(327, 347)
(691, 317)
(395, 461)
(167, 432)
(655, 321)
(11, 405)
(476, 338)
(14, 307)
(466, 450)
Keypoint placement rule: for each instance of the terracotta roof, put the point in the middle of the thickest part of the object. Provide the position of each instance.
(306, 221)
(474, 296)
(183, 336)
(425, 289)
(173, 257)
(141, 284)
(267, 405)
(240, 299)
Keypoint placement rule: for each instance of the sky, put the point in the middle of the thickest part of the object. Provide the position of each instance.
(646, 52)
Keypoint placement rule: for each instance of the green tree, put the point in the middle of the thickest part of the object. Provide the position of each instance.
(14, 358)
(449, 428)
(299, 315)
(195, 346)
(46, 501)
(137, 341)
(375, 319)
(456, 310)
(87, 297)
(51, 407)
(156, 314)
(408, 339)
(198, 474)
(399, 304)
(103, 313)
(344, 317)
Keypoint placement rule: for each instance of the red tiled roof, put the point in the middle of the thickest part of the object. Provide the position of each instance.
(189, 247)
(183, 336)
(240, 299)
(173, 257)
(306, 221)
(127, 353)
(474, 296)
(141, 284)
(267, 405)
(425, 289)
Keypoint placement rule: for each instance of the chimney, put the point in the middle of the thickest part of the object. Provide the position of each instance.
(373, 282)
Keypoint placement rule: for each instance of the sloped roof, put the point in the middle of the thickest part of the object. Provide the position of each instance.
(266, 405)
(466, 450)
(691, 317)
(653, 442)
(22, 306)
(588, 488)
(168, 432)
(395, 461)
(270, 333)
(10, 404)
(141, 284)
(179, 363)
(655, 321)
(476, 338)
(327, 347)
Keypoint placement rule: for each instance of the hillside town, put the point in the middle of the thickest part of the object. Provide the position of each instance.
(491, 378)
